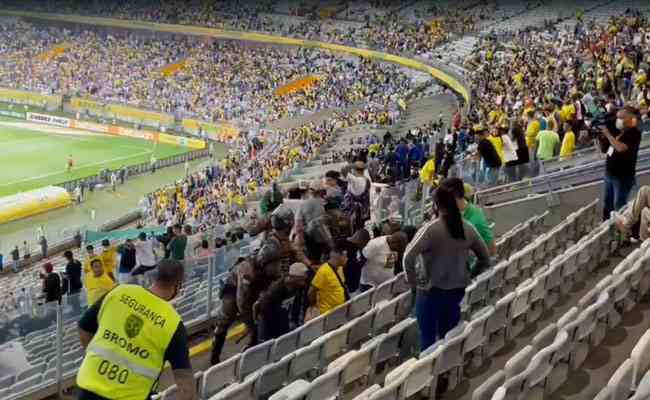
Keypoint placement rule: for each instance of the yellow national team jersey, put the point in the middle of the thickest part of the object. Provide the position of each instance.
(96, 287)
(497, 142)
(330, 292)
(109, 260)
(532, 130)
(568, 144)
(428, 172)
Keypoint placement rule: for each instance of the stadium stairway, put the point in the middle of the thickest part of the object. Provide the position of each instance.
(315, 117)
(422, 111)
(419, 112)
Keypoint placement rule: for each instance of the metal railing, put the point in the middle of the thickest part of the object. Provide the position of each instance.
(139, 169)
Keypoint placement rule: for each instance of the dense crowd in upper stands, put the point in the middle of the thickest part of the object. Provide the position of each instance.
(417, 29)
(537, 96)
(218, 80)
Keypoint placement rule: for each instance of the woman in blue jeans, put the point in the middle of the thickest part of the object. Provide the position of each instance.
(437, 267)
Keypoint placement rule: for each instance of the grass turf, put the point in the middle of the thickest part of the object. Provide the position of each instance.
(31, 159)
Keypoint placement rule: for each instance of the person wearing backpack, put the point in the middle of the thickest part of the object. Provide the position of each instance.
(251, 275)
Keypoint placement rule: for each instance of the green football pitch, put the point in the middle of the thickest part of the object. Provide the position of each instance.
(31, 158)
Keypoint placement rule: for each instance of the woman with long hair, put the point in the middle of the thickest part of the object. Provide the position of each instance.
(437, 267)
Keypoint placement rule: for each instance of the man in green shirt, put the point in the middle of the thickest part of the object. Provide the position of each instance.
(547, 144)
(176, 246)
(472, 214)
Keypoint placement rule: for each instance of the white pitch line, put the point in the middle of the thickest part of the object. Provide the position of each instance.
(63, 133)
(79, 167)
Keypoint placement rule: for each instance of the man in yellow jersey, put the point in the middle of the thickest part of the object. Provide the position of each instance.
(109, 258)
(129, 334)
(90, 257)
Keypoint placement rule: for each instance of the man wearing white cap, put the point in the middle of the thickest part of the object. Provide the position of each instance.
(281, 307)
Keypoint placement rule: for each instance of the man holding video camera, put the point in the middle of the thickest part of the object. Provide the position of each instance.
(619, 140)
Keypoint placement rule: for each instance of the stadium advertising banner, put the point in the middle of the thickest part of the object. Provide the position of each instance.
(91, 126)
(126, 113)
(138, 134)
(13, 114)
(181, 141)
(218, 131)
(121, 112)
(151, 136)
(48, 119)
(28, 98)
(92, 106)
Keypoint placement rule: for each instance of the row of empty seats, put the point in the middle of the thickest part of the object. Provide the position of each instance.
(488, 331)
(632, 379)
(562, 347)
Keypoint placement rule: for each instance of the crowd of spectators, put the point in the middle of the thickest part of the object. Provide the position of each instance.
(218, 194)
(418, 33)
(218, 80)
(548, 92)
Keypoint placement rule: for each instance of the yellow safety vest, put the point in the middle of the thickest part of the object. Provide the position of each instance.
(127, 354)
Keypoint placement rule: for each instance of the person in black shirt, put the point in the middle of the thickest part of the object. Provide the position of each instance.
(352, 271)
(73, 275)
(491, 159)
(51, 284)
(282, 306)
(621, 145)
(127, 261)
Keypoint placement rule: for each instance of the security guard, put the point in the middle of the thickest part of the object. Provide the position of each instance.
(129, 334)
(253, 275)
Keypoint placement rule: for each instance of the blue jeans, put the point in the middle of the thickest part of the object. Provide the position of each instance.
(438, 312)
(490, 176)
(617, 191)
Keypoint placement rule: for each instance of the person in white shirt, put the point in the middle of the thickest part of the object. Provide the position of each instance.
(114, 181)
(383, 255)
(193, 242)
(145, 257)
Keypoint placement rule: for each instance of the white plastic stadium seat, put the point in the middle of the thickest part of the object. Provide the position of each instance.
(487, 388)
(384, 317)
(360, 328)
(306, 361)
(477, 338)
(238, 391)
(327, 386)
(311, 331)
(498, 324)
(333, 344)
(272, 377)
(336, 317)
(254, 358)
(640, 357)
(419, 375)
(296, 390)
(285, 344)
(620, 384)
(366, 394)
